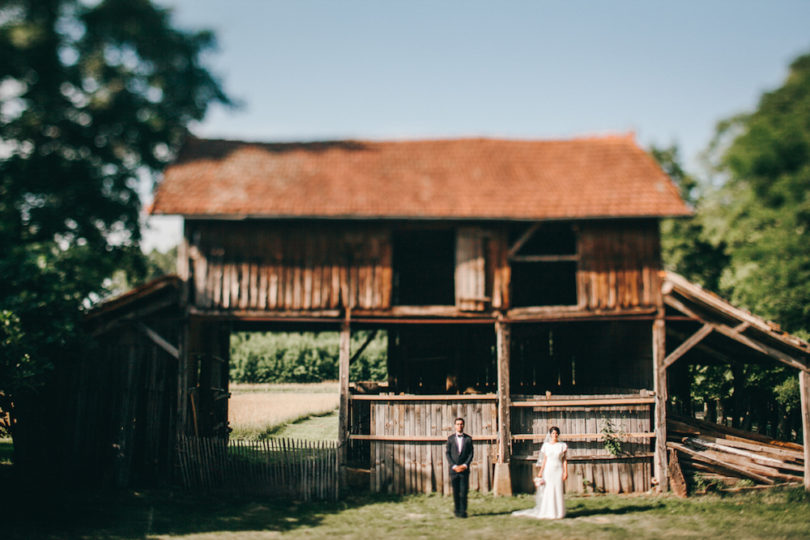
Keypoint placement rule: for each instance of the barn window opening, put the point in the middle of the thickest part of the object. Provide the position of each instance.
(285, 357)
(544, 261)
(424, 268)
(595, 357)
(442, 359)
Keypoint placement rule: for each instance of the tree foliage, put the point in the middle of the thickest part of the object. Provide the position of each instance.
(94, 97)
(748, 241)
(685, 247)
(762, 211)
(303, 357)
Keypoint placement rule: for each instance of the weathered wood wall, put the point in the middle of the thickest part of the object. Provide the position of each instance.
(408, 437)
(592, 468)
(278, 267)
(205, 405)
(121, 412)
(619, 265)
(311, 266)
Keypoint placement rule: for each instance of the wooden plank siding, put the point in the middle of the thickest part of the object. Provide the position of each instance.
(416, 463)
(407, 434)
(619, 265)
(265, 266)
(247, 266)
(591, 467)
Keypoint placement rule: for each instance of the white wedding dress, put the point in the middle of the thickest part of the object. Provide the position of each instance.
(549, 503)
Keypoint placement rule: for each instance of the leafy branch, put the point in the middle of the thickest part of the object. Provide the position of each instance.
(611, 436)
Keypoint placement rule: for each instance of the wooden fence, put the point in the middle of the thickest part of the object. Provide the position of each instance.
(302, 470)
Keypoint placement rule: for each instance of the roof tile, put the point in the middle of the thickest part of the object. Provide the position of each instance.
(607, 177)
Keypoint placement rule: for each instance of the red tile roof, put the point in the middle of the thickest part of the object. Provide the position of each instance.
(607, 177)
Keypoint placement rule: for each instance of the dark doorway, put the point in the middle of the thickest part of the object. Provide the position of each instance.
(424, 267)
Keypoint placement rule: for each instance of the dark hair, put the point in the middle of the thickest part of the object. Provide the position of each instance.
(554, 428)
(459, 418)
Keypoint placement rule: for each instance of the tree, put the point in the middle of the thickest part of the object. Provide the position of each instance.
(685, 248)
(93, 98)
(762, 211)
(748, 241)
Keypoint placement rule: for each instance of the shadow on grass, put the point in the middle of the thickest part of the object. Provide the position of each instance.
(582, 512)
(61, 513)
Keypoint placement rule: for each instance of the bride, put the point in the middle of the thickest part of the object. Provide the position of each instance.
(549, 502)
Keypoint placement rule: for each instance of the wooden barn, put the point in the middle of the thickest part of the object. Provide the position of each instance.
(519, 284)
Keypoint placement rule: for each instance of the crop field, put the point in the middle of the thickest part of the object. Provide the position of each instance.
(262, 410)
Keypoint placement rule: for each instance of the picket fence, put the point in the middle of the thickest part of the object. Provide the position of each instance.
(301, 470)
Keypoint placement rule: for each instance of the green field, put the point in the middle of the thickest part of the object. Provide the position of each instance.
(166, 514)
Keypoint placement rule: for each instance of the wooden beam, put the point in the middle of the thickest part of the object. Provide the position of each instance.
(606, 402)
(135, 314)
(687, 345)
(676, 475)
(159, 341)
(545, 258)
(722, 464)
(503, 339)
(502, 481)
(581, 436)
(761, 347)
(660, 388)
(414, 397)
(677, 304)
(343, 383)
(740, 338)
(804, 391)
(362, 348)
(685, 288)
(415, 438)
(700, 346)
(562, 313)
(522, 240)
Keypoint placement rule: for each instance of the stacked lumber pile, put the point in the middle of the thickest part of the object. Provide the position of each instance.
(721, 453)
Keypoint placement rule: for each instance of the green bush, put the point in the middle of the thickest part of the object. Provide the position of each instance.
(278, 357)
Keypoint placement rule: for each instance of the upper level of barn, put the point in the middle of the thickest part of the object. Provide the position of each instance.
(441, 228)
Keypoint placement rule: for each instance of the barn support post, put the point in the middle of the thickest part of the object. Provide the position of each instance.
(343, 378)
(502, 484)
(184, 362)
(660, 387)
(804, 391)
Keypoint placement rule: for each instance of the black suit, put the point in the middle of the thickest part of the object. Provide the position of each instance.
(460, 480)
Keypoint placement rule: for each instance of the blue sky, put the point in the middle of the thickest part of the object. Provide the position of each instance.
(329, 69)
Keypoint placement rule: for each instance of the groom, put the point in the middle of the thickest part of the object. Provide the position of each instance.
(459, 455)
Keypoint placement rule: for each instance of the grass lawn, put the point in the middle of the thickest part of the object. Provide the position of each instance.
(165, 514)
(314, 428)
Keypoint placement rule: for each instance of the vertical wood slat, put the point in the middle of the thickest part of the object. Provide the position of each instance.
(420, 467)
(286, 269)
(804, 393)
(660, 389)
(618, 266)
(470, 273)
(304, 470)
